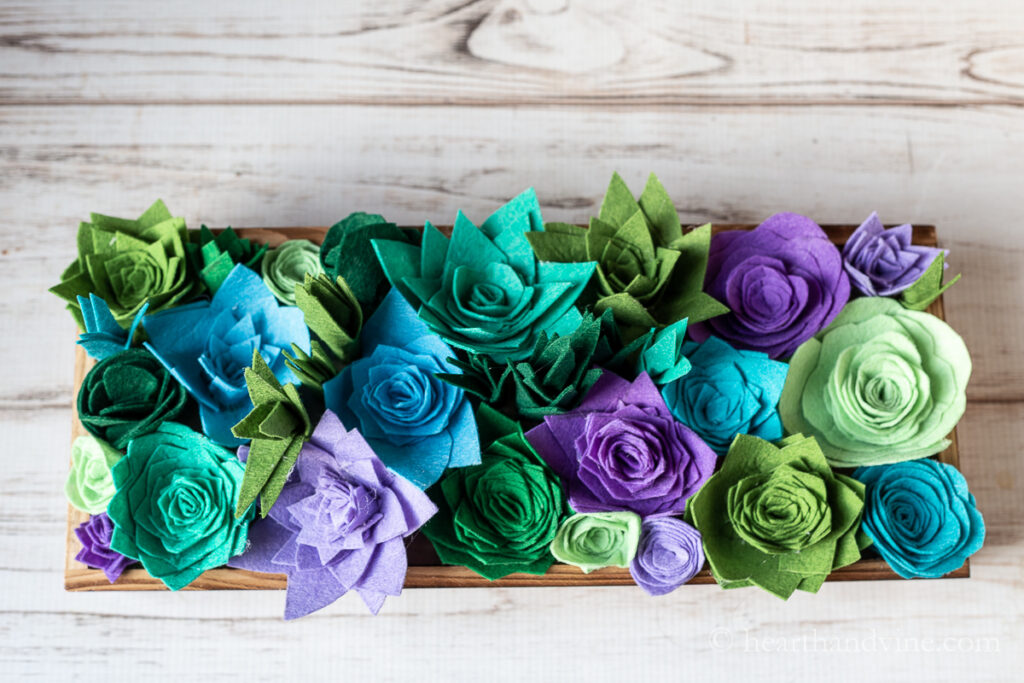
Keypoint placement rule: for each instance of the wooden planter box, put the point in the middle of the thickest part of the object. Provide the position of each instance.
(425, 571)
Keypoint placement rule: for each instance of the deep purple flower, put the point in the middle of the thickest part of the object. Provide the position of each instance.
(883, 262)
(94, 535)
(621, 449)
(783, 281)
(338, 524)
(669, 555)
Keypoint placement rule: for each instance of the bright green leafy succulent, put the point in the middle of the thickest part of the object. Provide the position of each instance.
(215, 255)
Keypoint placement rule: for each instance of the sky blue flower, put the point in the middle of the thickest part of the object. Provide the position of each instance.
(417, 424)
(103, 336)
(483, 290)
(728, 392)
(207, 345)
(921, 517)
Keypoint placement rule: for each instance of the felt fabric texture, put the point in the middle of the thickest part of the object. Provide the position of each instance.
(783, 281)
(94, 535)
(130, 263)
(335, 317)
(728, 392)
(483, 290)
(882, 384)
(278, 425)
(929, 287)
(662, 356)
(90, 483)
(347, 252)
(103, 335)
(175, 502)
(338, 525)
(286, 267)
(418, 425)
(207, 345)
(778, 517)
(621, 449)
(126, 395)
(500, 516)
(649, 272)
(669, 554)
(215, 256)
(920, 515)
(884, 262)
(596, 540)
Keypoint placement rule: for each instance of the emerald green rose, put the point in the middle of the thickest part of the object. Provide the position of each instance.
(500, 516)
(129, 262)
(175, 503)
(595, 540)
(881, 384)
(778, 517)
(286, 267)
(90, 484)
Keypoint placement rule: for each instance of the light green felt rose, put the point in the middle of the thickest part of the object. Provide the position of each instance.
(881, 384)
(90, 485)
(597, 539)
(286, 267)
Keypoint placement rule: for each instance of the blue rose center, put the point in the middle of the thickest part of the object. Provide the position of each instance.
(228, 352)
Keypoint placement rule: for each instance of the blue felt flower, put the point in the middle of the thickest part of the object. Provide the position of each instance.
(483, 290)
(417, 424)
(921, 517)
(728, 392)
(103, 336)
(207, 345)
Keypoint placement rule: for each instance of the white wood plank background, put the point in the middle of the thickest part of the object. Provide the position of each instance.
(270, 113)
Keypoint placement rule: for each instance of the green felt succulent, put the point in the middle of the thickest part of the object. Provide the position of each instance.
(129, 262)
(278, 425)
(214, 255)
(928, 287)
(649, 272)
(334, 315)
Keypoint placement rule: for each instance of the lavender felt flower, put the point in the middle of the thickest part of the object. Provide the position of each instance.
(94, 536)
(883, 262)
(621, 449)
(338, 524)
(669, 555)
(784, 282)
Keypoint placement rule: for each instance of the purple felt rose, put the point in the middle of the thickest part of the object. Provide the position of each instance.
(883, 262)
(94, 536)
(669, 555)
(783, 281)
(621, 449)
(338, 524)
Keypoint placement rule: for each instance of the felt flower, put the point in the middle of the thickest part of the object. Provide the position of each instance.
(777, 517)
(883, 262)
(882, 384)
(286, 267)
(347, 252)
(126, 395)
(483, 290)
(500, 516)
(597, 539)
(94, 535)
(418, 425)
(103, 335)
(649, 272)
(90, 484)
(662, 356)
(208, 344)
(175, 503)
(215, 256)
(928, 287)
(669, 555)
(921, 517)
(333, 314)
(130, 263)
(621, 449)
(784, 281)
(338, 524)
(728, 392)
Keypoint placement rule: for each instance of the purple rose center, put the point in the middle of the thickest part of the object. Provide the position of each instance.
(337, 508)
(764, 296)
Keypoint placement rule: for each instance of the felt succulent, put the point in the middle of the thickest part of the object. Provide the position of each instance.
(215, 255)
(130, 263)
(333, 314)
(103, 335)
(649, 272)
(286, 267)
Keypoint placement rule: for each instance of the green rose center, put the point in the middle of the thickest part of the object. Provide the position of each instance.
(510, 498)
(134, 276)
(627, 268)
(783, 511)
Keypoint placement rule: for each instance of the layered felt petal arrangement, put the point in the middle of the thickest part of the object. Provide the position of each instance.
(631, 399)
